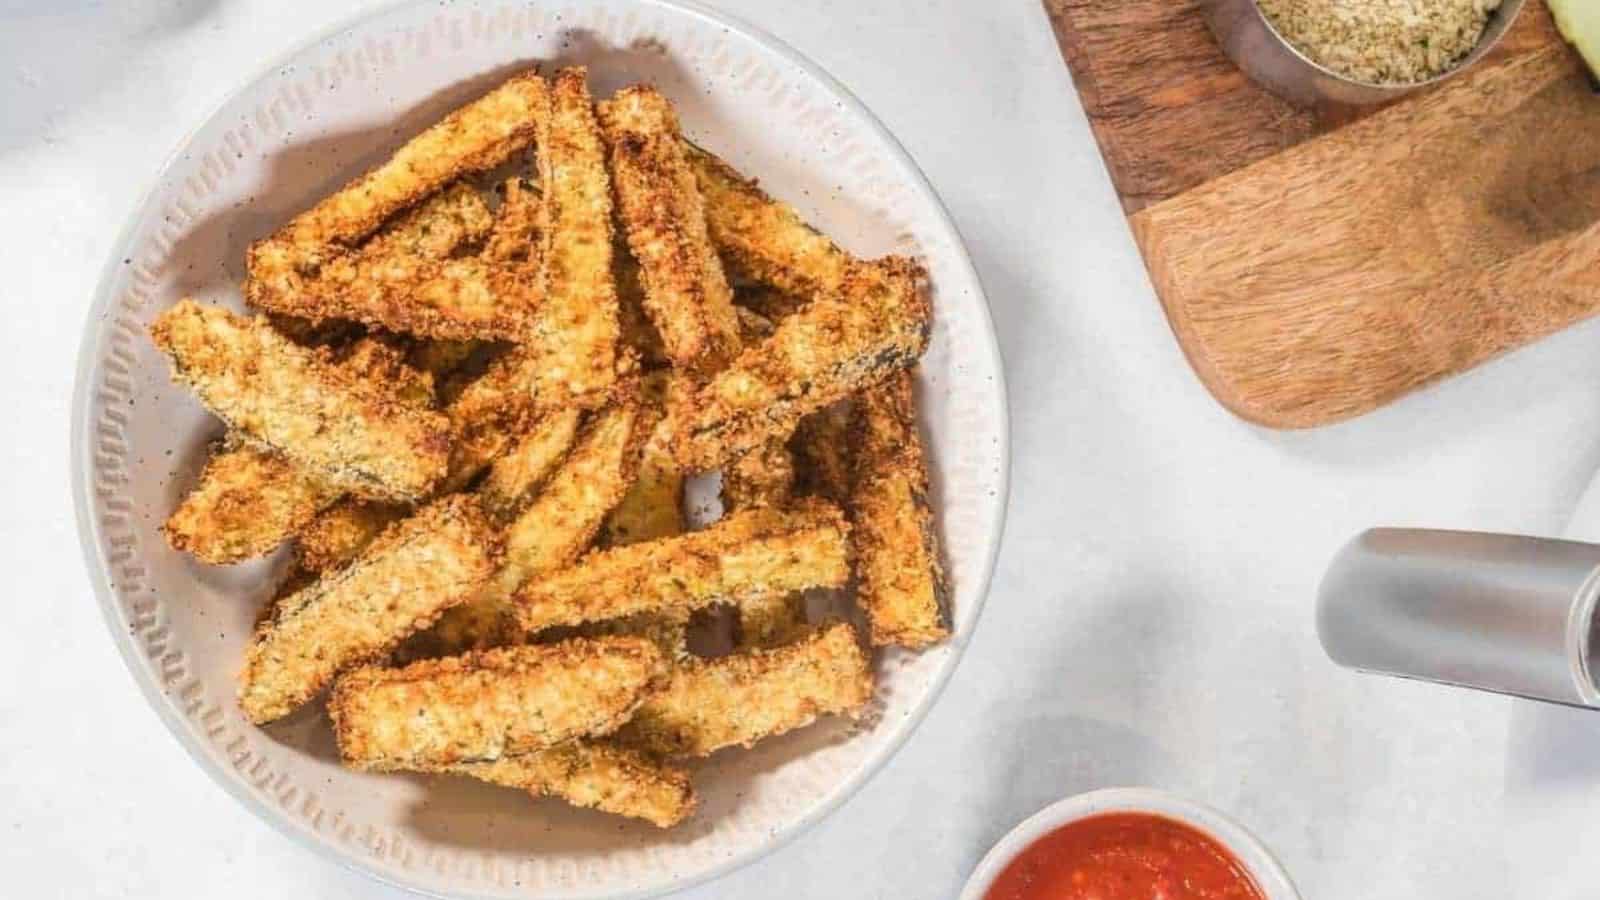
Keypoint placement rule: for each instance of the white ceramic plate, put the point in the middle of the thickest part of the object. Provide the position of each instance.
(322, 115)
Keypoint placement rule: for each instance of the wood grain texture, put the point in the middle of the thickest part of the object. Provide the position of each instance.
(1316, 264)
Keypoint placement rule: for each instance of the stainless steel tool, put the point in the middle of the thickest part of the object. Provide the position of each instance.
(1503, 613)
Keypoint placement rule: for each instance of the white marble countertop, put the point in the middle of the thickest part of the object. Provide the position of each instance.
(1151, 620)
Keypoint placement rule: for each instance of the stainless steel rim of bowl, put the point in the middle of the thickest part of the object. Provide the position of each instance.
(96, 564)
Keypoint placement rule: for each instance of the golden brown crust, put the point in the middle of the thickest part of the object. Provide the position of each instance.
(477, 137)
(404, 580)
(574, 347)
(653, 507)
(342, 531)
(740, 699)
(595, 775)
(552, 531)
(638, 334)
(246, 502)
(454, 299)
(686, 295)
(515, 476)
(482, 706)
(901, 581)
(759, 552)
(765, 622)
(517, 234)
(877, 323)
(383, 365)
(764, 239)
(762, 477)
(351, 433)
(312, 269)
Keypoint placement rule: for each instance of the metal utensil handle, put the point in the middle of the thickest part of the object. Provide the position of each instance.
(1495, 612)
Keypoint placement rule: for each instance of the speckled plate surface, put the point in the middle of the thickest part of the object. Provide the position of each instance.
(316, 119)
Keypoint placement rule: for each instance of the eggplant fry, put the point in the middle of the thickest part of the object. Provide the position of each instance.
(490, 704)
(246, 502)
(759, 552)
(901, 582)
(595, 775)
(342, 531)
(762, 239)
(767, 301)
(352, 433)
(515, 476)
(653, 507)
(685, 292)
(877, 323)
(551, 533)
(405, 579)
(477, 137)
(312, 269)
(740, 699)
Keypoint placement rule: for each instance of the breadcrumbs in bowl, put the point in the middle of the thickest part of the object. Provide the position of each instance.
(1383, 42)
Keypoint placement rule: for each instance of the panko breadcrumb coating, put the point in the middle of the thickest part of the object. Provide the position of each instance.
(685, 293)
(876, 323)
(762, 239)
(734, 701)
(900, 579)
(289, 399)
(595, 775)
(245, 503)
(342, 531)
(822, 454)
(653, 507)
(759, 552)
(551, 532)
(490, 704)
(515, 475)
(357, 614)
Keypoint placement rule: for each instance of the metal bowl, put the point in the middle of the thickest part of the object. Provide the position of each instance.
(1251, 41)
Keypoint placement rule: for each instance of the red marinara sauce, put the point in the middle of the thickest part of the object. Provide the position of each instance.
(1125, 856)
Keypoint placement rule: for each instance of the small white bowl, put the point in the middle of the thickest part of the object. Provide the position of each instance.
(1268, 873)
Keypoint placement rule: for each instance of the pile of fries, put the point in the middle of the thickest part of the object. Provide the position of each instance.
(482, 373)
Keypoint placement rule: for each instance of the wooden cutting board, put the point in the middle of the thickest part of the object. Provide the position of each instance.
(1317, 264)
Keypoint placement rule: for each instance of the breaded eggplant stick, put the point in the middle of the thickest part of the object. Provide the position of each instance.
(876, 323)
(573, 357)
(342, 531)
(740, 699)
(515, 476)
(754, 553)
(551, 532)
(490, 704)
(653, 507)
(686, 295)
(246, 502)
(405, 579)
(249, 500)
(312, 269)
(512, 232)
(477, 137)
(349, 432)
(595, 775)
(763, 239)
(901, 581)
